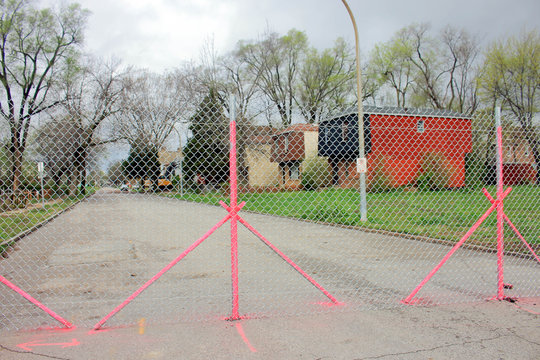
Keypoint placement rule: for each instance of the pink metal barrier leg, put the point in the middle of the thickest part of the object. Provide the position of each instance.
(25, 295)
(289, 261)
(408, 299)
(512, 226)
(163, 271)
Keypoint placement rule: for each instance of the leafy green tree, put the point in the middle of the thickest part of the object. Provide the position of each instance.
(389, 64)
(206, 153)
(274, 62)
(326, 81)
(35, 44)
(511, 77)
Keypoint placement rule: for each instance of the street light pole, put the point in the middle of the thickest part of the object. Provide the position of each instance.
(361, 161)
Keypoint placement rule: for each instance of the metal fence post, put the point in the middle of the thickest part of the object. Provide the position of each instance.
(500, 210)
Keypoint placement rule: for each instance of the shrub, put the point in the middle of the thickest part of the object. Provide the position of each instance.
(379, 180)
(475, 170)
(435, 174)
(315, 173)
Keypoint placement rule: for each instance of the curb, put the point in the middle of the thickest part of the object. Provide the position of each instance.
(421, 238)
(27, 232)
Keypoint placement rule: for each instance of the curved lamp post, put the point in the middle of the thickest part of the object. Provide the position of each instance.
(361, 161)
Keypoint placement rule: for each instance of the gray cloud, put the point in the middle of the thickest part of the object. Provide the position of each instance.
(162, 33)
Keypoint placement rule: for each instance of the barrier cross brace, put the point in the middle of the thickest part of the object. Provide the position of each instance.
(496, 205)
(28, 297)
(234, 218)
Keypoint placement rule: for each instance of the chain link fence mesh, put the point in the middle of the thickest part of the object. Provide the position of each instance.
(84, 226)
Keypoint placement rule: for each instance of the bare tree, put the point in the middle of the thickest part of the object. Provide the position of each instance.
(34, 46)
(275, 62)
(153, 105)
(92, 97)
(389, 64)
(428, 65)
(461, 55)
(425, 70)
(510, 77)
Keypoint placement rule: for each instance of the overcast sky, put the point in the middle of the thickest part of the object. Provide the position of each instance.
(161, 34)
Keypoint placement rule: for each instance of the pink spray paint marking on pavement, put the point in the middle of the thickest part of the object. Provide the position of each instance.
(29, 346)
(242, 334)
(27, 296)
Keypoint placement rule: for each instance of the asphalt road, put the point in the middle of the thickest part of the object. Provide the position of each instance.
(90, 259)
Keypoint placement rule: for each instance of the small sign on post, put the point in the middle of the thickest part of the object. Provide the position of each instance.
(361, 165)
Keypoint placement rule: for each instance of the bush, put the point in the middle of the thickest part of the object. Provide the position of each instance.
(475, 170)
(315, 173)
(379, 180)
(435, 174)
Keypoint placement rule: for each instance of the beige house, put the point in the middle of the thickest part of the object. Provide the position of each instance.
(273, 158)
(166, 158)
(261, 172)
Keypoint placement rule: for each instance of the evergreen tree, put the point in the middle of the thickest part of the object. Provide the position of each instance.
(142, 163)
(207, 151)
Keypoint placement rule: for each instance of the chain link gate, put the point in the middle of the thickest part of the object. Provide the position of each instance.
(76, 242)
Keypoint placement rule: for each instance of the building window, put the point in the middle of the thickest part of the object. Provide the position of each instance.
(294, 171)
(420, 126)
(344, 131)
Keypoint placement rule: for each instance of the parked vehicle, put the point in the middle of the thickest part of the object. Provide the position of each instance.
(164, 183)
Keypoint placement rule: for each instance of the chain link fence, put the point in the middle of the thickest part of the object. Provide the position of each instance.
(275, 228)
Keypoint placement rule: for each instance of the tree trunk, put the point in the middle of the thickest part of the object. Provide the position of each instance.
(16, 167)
(73, 179)
(83, 179)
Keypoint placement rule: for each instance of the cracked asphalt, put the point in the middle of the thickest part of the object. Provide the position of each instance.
(488, 330)
(79, 283)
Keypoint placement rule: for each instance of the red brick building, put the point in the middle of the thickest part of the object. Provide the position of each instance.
(398, 143)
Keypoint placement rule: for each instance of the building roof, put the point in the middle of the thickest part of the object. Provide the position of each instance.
(399, 111)
(259, 135)
(298, 127)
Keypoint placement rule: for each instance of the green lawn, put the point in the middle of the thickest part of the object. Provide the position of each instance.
(445, 215)
(14, 223)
